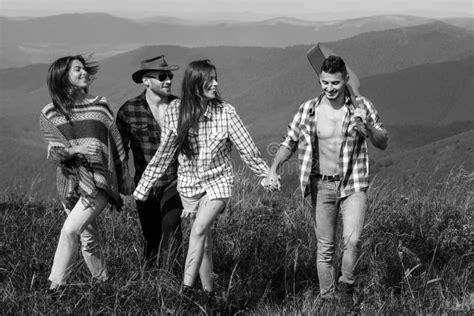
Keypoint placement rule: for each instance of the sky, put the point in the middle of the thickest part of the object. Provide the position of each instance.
(241, 9)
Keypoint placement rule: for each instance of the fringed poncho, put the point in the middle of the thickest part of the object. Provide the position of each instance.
(82, 175)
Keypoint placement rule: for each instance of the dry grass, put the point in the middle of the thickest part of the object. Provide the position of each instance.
(416, 256)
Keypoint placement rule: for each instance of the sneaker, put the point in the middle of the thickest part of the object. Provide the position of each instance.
(55, 293)
(189, 299)
(325, 300)
(213, 301)
(346, 299)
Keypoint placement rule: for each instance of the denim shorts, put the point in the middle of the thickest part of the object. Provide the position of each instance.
(192, 204)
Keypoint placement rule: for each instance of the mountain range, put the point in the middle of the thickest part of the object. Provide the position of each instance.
(261, 77)
(36, 40)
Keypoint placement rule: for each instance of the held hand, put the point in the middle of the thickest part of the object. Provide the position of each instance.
(271, 182)
(87, 149)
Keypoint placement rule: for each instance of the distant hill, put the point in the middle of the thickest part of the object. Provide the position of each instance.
(37, 40)
(432, 93)
(386, 51)
(257, 77)
(436, 159)
(466, 23)
(407, 137)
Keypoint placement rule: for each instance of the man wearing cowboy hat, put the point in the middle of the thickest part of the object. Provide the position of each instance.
(140, 121)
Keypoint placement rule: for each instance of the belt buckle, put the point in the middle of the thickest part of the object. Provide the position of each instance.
(330, 177)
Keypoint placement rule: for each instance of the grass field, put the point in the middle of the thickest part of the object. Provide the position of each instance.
(416, 255)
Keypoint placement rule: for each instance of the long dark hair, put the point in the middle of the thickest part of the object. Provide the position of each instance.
(196, 77)
(60, 88)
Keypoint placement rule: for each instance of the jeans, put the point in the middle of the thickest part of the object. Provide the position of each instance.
(161, 222)
(80, 225)
(325, 206)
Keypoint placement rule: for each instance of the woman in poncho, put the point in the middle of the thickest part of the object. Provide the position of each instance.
(85, 144)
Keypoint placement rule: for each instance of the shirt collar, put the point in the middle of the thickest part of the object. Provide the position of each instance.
(347, 102)
(312, 110)
(211, 106)
(143, 101)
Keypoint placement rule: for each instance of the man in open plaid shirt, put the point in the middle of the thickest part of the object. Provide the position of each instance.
(140, 121)
(330, 134)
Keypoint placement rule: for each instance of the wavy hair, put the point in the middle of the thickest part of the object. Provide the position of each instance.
(61, 90)
(193, 104)
(334, 64)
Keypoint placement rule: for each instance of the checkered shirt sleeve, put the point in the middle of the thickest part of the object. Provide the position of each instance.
(299, 136)
(123, 126)
(245, 145)
(373, 116)
(291, 139)
(354, 156)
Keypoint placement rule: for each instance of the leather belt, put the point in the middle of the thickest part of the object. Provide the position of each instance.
(329, 178)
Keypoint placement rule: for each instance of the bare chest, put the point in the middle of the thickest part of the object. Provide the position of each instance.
(329, 122)
(159, 113)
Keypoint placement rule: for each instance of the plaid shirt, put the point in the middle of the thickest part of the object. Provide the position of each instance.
(353, 161)
(141, 132)
(210, 167)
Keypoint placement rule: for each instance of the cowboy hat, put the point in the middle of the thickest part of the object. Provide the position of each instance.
(153, 64)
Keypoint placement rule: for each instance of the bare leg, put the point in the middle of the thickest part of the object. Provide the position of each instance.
(207, 265)
(200, 230)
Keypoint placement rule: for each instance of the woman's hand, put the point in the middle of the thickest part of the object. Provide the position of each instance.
(86, 149)
(128, 185)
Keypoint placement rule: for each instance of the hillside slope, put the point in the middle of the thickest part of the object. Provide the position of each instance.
(436, 159)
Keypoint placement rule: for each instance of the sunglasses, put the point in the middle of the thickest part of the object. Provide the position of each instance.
(162, 76)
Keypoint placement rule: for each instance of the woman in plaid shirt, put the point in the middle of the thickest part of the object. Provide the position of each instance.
(201, 129)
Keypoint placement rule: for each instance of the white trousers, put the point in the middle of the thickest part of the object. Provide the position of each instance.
(80, 225)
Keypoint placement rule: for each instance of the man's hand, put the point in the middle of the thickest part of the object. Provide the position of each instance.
(362, 114)
(360, 124)
(271, 182)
